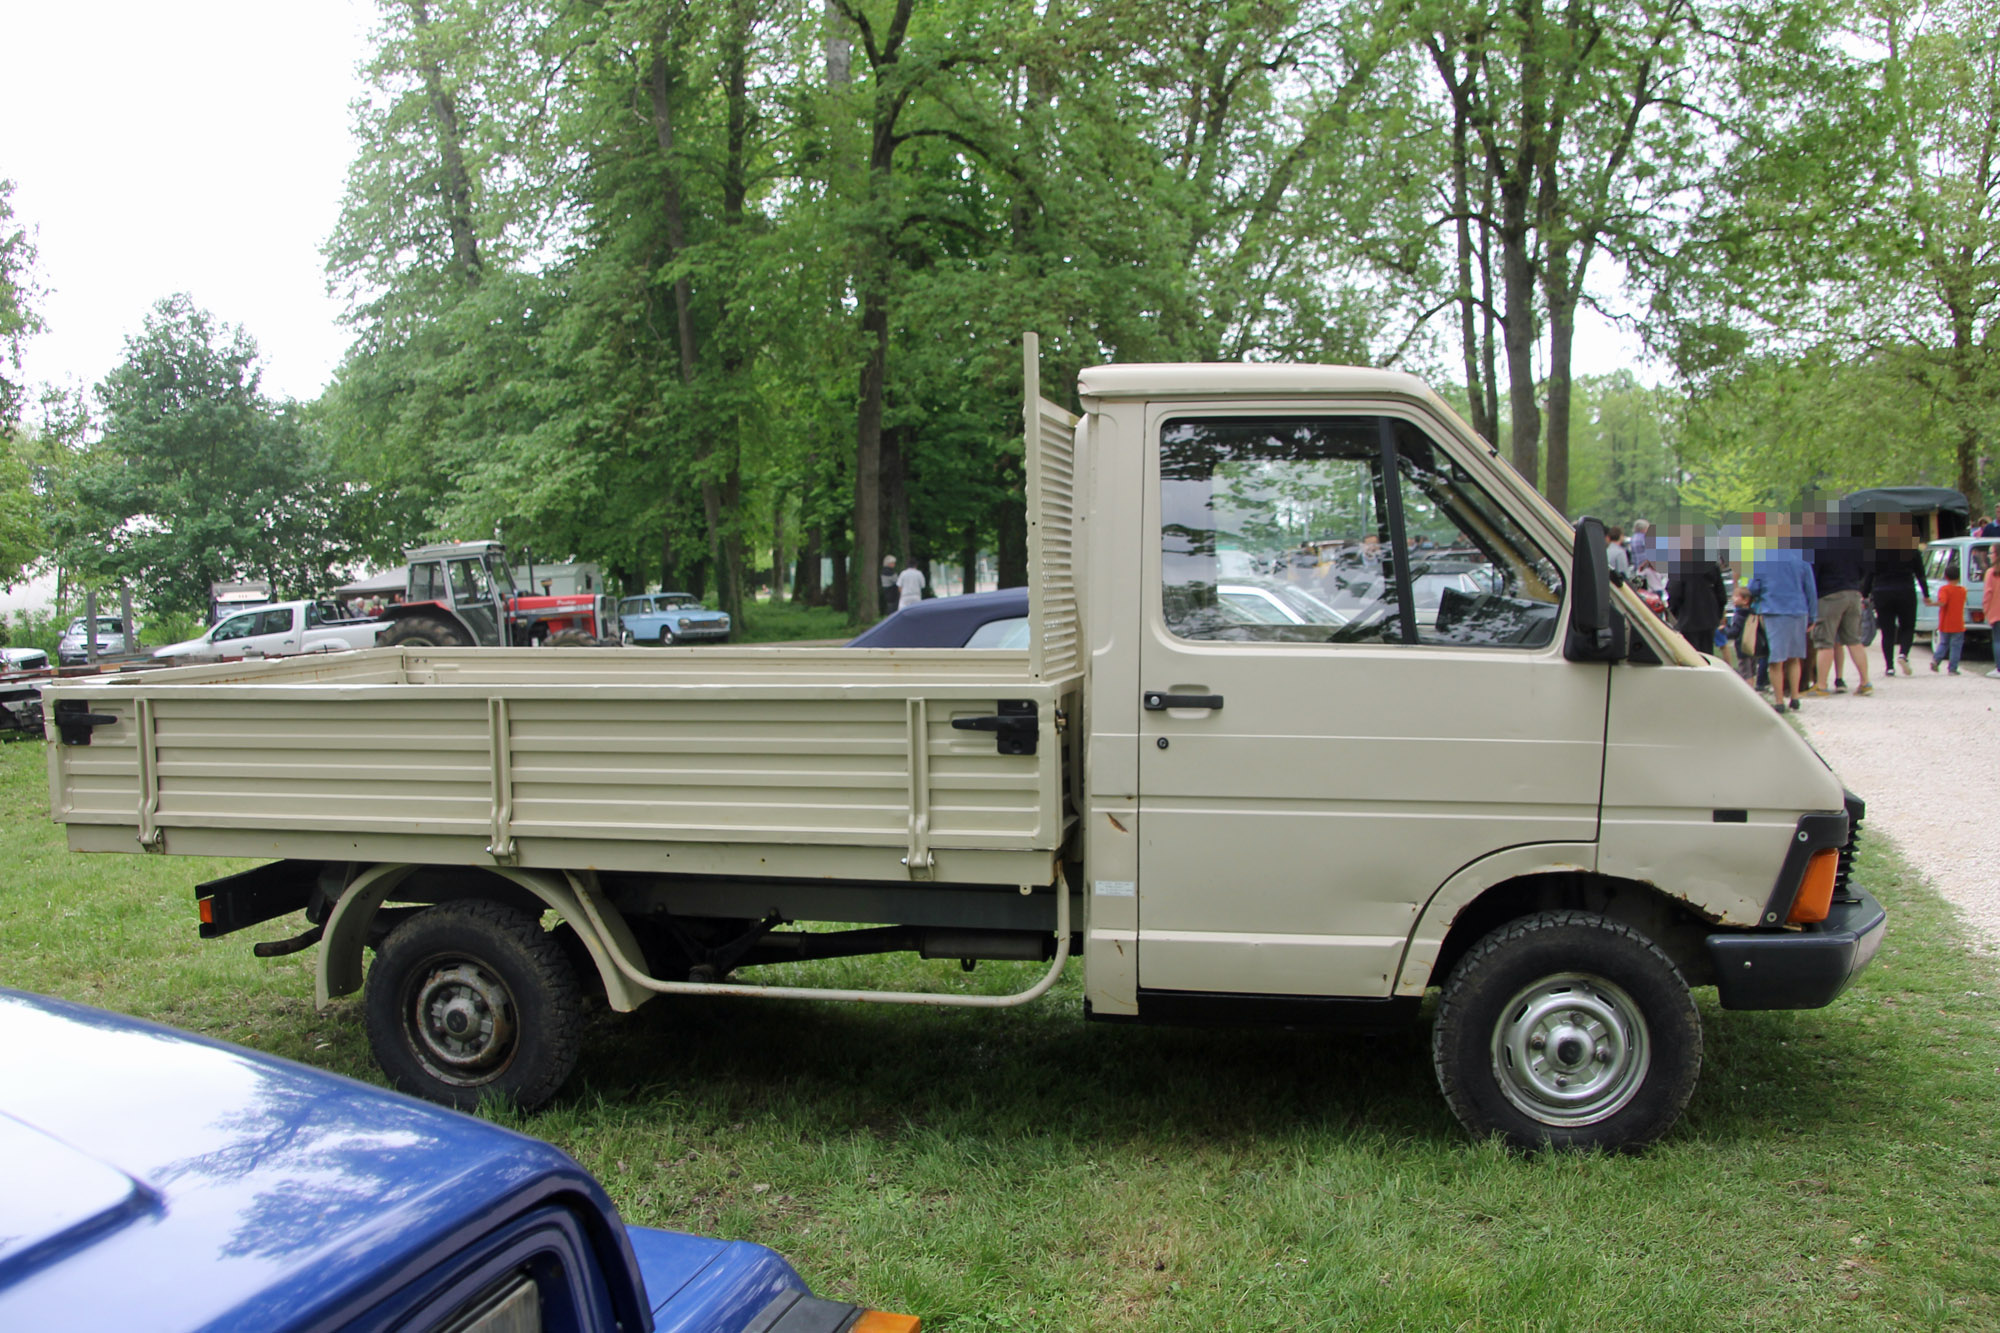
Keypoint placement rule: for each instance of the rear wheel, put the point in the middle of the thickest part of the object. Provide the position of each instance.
(666, 637)
(424, 632)
(474, 999)
(1567, 1030)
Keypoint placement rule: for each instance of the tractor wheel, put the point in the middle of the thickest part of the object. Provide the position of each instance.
(424, 632)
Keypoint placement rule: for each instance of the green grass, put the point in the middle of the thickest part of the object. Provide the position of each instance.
(782, 622)
(1025, 1170)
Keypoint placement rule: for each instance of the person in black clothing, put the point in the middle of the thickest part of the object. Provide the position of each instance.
(1695, 593)
(1895, 573)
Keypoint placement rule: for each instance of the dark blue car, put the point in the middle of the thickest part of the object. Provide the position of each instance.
(152, 1180)
(975, 620)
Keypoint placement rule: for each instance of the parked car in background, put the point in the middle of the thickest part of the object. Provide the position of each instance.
(150, 1179)
(24, 659)
(972, 620)
(283, 630)
(668, 618)
(73, 648)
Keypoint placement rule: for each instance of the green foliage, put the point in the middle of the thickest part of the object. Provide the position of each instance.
(18, 318)
(198, 478)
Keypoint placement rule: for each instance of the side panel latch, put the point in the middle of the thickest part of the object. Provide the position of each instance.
(1017, 727)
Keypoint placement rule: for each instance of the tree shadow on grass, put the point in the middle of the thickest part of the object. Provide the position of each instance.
(846, 1069)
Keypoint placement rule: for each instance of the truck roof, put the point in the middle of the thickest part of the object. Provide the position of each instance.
(1192, 378)
(161, 1180)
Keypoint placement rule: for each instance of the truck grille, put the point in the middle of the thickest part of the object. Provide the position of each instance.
(1856, 808)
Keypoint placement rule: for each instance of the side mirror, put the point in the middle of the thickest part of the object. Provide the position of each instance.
(1596, 633)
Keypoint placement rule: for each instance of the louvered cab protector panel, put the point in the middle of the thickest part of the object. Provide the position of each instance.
(1050, 440)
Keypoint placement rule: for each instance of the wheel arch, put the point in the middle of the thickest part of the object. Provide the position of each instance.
(1522, 881)
(339, 970)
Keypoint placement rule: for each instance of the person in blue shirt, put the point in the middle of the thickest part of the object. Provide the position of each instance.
(1787, 599)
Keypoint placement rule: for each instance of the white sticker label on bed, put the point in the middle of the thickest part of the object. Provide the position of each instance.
(1117, 888)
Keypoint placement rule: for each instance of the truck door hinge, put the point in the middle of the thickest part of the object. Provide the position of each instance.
(1016, 728)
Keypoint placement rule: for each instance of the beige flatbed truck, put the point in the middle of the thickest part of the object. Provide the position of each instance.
(1324, 708)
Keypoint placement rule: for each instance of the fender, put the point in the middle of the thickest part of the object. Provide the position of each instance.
(1434, 922)
(338, 971)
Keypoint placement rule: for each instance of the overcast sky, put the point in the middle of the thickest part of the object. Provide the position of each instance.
(201, 146)
(181, 145)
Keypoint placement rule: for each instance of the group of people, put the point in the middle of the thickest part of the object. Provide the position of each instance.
(1811, 592)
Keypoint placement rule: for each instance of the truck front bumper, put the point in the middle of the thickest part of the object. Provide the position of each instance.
(1799, 969)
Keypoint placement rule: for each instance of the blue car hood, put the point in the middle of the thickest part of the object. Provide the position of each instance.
(152, 1179)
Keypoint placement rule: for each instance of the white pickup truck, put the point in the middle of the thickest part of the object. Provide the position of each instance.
(1485, 770)
(282, 629)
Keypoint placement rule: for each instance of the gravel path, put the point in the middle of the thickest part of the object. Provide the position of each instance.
(1921, 751)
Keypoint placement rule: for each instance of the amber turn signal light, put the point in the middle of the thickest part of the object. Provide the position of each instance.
(1815, 896)
(881, 1321)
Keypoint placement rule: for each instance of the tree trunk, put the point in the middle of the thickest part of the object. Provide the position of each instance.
(1468, 306)
(457, 183)
(968, 558)
(1011, 551)
(1560, 294)
(1518, 330)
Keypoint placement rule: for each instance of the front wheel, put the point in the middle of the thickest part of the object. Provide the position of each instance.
(471, 999)
(1567, 1030)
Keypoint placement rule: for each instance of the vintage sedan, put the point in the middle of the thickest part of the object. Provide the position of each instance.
(668, 618)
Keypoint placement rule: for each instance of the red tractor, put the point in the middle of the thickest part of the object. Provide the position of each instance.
(462, 595)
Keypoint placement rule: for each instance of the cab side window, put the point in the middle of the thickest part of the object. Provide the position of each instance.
(1340, 530)
(276, 622)
(236, 627)
(427, 583)
(1274, 530)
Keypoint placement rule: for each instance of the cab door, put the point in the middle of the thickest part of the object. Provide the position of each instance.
(473, 598)
(1305, 787)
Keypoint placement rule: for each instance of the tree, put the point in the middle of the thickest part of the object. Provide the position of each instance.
(198, 478)
(18, 318)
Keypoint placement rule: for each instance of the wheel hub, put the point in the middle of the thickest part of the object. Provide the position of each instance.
(1570, 1050)
(463, 1022)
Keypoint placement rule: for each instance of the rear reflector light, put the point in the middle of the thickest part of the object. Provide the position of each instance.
(1815, 896)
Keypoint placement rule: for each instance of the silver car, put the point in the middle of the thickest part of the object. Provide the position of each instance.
(73, 649)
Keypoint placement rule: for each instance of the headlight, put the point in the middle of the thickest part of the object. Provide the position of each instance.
(686, 623)
(725, 622)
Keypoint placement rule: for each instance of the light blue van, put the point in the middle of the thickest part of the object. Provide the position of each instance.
(1973, 554)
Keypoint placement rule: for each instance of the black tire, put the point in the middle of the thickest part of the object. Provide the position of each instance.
(1567, 1030)
(474, 999)
(572, 638)
(666, 638)
(424, 632)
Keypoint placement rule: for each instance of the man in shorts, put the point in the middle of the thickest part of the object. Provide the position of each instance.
(1838, 571)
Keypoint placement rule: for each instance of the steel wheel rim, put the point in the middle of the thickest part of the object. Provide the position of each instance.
(460, 1018)
(1570, 1050)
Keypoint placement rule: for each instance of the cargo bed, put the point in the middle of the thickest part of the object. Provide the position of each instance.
(788, 762)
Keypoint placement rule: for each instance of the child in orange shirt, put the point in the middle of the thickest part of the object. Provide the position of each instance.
(1949, 641)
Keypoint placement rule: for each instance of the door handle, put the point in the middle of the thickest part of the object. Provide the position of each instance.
(1156, 702)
